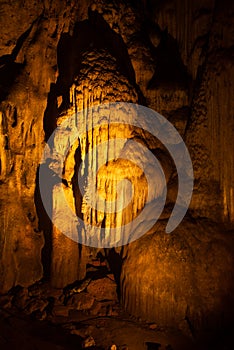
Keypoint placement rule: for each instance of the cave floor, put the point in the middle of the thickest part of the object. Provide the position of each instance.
(41, 317)
(88, 315)
(19, 331)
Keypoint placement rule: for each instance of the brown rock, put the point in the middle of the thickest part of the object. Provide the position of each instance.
(103, 289)
(187, 274)
(111, 277)
(153, 326)
(84, 331)
(55, 293)
(81, 301)
(78, 332)
(96, 309)
(88, 342)
(36, 305)
(21, 298)
(113, 347)
(6, 301)
(111, 311)
(60, 310)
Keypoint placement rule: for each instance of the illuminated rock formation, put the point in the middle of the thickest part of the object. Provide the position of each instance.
(60, 57)
(99, 82)
(184, 278)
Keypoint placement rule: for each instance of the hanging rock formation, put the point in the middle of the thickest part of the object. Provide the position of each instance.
(98, 82)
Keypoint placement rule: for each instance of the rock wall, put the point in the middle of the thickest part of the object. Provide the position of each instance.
(30, 34)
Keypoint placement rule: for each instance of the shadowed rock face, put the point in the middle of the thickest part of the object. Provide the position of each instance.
(174, 57)
(184, 278)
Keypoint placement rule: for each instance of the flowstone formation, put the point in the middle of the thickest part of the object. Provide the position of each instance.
(182, 279)
(175, 57)
(98, 83)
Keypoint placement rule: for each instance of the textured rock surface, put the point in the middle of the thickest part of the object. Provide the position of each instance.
(212, 124)
(184, 276)
(173, 56)
(98, 82)
(103, 289)
(28, 67)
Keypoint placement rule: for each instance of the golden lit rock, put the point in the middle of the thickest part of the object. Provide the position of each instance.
(64, 58)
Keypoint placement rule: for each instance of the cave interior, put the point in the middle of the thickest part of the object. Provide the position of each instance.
(110, 275)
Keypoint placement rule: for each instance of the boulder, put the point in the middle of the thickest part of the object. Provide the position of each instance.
(187, 275)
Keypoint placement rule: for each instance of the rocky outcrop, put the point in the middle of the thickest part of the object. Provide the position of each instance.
(28, 67)
(201, 30)
(183, 279)
(211, 124)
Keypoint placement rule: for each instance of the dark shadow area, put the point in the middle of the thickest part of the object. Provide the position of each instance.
(75, 184)
(9, 69)
(152, 346)
(222, 339)
(27, 334)
(77, 193)
(170, 71)
(99, 272)
(8, 74)
(50, 179)
(44, 222)
(115, 262)
(51, 113)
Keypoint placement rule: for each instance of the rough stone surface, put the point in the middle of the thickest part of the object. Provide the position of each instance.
(81, 301)
(28, 67)
(103, 289)
(187, 275)
(211, 127)
(174, 56)
(60, 310)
